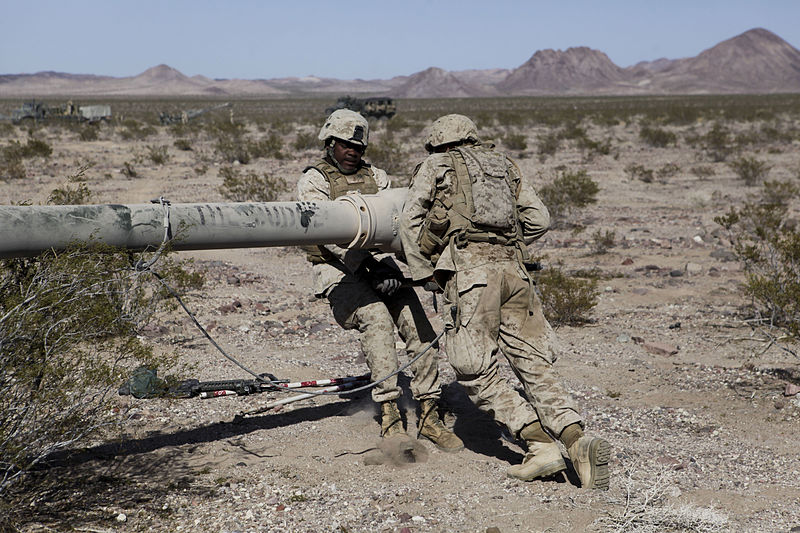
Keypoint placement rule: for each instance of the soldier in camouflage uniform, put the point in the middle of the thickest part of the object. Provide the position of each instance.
(466, 222)
(363, 289)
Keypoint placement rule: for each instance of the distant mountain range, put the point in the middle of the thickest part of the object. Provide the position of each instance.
(757, 61)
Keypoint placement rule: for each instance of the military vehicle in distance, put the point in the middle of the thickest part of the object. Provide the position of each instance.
(374, 106)
(37, 111)
(184, 117)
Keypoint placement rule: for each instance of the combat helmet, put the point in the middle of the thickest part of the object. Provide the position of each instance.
(345, 125)
(451, 129)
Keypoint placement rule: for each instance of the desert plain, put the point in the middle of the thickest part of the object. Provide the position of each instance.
(699, 404)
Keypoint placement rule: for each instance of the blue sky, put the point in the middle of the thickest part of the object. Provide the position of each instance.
(369, 39)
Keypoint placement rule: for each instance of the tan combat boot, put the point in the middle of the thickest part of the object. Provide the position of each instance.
(589, 456)
(432, 428)
(543, 458)
(391, 421)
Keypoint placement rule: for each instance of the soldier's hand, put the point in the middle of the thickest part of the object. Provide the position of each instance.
(388, 286)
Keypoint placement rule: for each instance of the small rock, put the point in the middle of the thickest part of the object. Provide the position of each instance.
(637, 340)
(492, 529)
(723, 255)
(121, 517)
(693, 269)
(780, 404)
(676, 273)
(626, 261)
(791, 389)
(676, 325)
(623, 338)
(698, 239)
(404, 517)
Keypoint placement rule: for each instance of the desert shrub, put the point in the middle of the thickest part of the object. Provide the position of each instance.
(603, 241)
(134, 130)
(13, 155)
(717, 143)
(767, 241)
(566, 300)
(270, 146)
(306, 141)
(68, 338)
(11, 165)
(750, 169)
(648, 505)
(568, 192)
(157, 154)
(515, 141)
(74, 191)
(250, 187)
(88, 132)
(636, 171)
(183, 144)
(388, 155)
(667, 171)
(128, 170)
(657, 137)
(33, 147)
(547, 144)
(703, 171)
(594, 147)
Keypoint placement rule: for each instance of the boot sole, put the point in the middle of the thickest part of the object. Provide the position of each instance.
(599, 454)
(548, 470)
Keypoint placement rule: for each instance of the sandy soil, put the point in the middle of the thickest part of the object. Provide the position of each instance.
(703, 439)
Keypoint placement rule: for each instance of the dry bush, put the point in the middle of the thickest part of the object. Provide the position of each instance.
(250, 187)
(306, 141)
(750, 169)
(74, 192)
(566, 300)
(657, 137)
(157, 154)
(636, 171)
(647, 508)
(767, 241)
(566, 193)
(603, 241)
(68, 337)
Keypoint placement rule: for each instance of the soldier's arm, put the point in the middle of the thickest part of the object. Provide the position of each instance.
(313, 187)
(418, 202)
(533, 214)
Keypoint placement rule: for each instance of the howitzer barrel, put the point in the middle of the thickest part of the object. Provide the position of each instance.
(355, 221)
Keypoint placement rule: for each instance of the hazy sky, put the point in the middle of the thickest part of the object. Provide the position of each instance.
(367, 39)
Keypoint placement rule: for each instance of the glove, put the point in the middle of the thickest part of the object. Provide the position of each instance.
(384, 278)
(387, 286)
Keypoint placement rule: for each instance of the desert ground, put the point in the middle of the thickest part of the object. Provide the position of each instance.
(697, 404)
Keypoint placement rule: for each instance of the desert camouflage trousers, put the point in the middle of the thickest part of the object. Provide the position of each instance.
(355, 304)
(500, 313)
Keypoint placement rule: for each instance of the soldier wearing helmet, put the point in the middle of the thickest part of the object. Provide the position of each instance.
(466, 224)
(363, 287)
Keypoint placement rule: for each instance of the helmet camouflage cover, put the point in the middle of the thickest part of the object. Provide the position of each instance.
(345, 125)
(450, 129)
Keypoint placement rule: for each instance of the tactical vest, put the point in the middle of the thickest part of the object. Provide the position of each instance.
(482, 206)
(362, 181)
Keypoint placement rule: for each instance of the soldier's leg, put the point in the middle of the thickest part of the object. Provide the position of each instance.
(471, 350)
(528, 342)
(417, 333)
(357, 305)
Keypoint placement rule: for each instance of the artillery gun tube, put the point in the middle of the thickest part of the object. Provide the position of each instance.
(354, 221)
